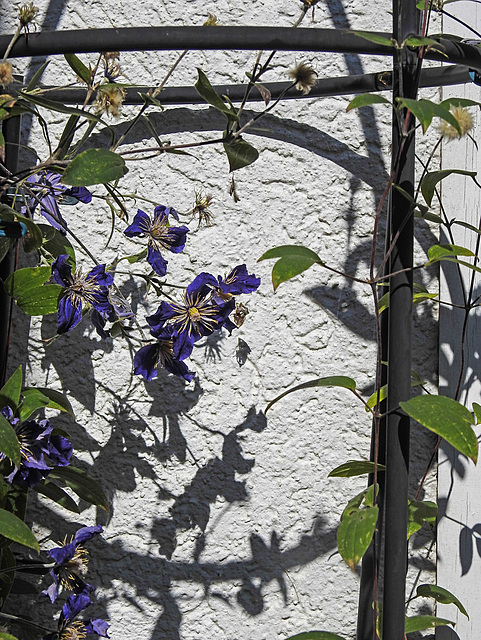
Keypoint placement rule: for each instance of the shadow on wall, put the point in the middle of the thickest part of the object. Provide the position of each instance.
(129, 453)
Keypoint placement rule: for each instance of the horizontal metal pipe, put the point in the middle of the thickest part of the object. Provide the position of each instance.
(227, 38)
(344, 85)
(179, 38)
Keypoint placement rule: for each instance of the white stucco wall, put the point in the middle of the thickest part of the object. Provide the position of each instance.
(223, 523)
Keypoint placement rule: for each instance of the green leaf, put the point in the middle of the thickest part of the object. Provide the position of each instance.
(9, 444)
(354, 468)
(444, 251)
(207, 92)
(33, 239)
(418, 41)
(355, 534)
(36, 76)
(33, 399)
(471, 227)
(15, 529)
(477, 412)
(376, 38)
(366, 99)
(330, 381)
(56, 244)
(316, 635)
(419, 623)
(5, 245)
(7, 576)
(10, 392)
(448, 419)
(56, 400)
(7, 636)
(459, 102)
(420, 512)
(34, 297)
(67, 137)
(82, 484)
(58, 495)
(52, 105)
(432, 178)
(240, 154)
(94, 166)
(293, 261)
(425, 110)
(440, 595)
(78, 67)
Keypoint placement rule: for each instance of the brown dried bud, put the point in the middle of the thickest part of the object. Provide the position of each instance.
(304, 77)
(6, 76)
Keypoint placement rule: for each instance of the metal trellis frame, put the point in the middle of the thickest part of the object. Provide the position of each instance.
(403, 80)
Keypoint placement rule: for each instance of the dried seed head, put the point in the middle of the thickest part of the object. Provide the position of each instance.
(111, 55)
(201, 209)
(304, 77)
(6, 76)
(27, 13)
(240, 314)
(109, 100)
(211, 21)
(309, 3)
(464, 119)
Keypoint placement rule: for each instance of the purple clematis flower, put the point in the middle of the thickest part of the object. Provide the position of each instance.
(238, 281)
(69, 628)
(71, 561)
(36, 442)
(48, 191)
(198, 316)
(148, 359)
(90, 290)
(160, 236)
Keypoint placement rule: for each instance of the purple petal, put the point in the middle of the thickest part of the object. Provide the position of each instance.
(59, 450)
(74, 605)
(170, 211)
(159, 318)
(177, 238)
(139, 226)
(69, 315)
(99, 322)
(179, 369)
(199, 285)
(160, 212)
(184, 343)
(156, 261)
(81, 193)
(239, 281)
(86, 533)
(145, 361)
(62, 271)
(63, 554)
(99, 275)
(97, 626)
(49, 209)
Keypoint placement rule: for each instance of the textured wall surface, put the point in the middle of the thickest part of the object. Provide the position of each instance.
(223, 521)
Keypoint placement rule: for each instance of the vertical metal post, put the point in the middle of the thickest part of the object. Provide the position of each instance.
(11, 133)
(405, 22)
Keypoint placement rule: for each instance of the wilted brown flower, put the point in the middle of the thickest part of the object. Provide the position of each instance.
(201, 209)
(27, 13)
(109, 100)
(111, 55)
(304, 77)
(240, 314)
(464, 119)
(6, 76)
(211, 21)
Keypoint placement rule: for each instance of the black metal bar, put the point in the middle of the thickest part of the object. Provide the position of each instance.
(227, 38)
(343, 85)
(11, 133)
(405, 21)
